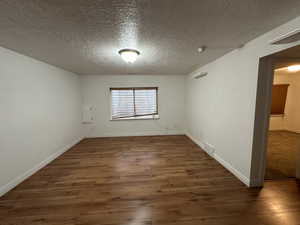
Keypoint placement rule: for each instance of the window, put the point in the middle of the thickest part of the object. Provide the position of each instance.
(279, 94)
(134, 103)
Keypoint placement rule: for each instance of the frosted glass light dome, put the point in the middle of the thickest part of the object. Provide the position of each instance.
(129, 55)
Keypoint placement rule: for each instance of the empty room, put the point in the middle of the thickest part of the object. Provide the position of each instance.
(143, 112)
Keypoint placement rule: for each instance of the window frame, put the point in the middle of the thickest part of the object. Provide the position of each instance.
(151, 116)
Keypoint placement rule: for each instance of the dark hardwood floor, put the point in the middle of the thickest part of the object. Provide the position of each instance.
(159, 180)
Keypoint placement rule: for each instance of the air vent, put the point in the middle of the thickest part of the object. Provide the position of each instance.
(200, 75)
(287, 38)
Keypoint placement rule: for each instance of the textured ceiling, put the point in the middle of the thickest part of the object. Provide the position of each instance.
(84, 36)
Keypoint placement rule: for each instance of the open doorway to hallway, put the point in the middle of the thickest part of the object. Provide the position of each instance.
(276, 138)
(284, 126)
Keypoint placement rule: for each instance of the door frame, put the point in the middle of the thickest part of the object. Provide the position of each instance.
(261, 121)
(262, 118)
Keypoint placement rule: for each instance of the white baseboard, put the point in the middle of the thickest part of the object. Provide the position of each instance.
(223, 162)
(231, 169)
(199, 143)
(202, 145)
(144, 133)
(10, 185)
(291, 131)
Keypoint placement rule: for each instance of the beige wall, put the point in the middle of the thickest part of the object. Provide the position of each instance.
(291, 120)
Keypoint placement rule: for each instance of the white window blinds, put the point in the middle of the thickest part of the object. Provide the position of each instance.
(133, 102)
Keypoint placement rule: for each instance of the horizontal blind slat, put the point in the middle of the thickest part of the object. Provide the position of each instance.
(130, 102)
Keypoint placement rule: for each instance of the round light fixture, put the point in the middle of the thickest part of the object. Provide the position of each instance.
(129, 55)
(294, 68)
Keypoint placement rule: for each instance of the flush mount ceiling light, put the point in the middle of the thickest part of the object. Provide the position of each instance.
(293, 68)
(129, 55)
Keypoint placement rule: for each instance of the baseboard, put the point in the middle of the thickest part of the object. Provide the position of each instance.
(143, 133)
(10, 185)
(223, 162)
(231, 169)
(201, 144)
(290, 131)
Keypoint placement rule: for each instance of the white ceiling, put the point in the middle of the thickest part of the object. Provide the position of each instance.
(84, 36)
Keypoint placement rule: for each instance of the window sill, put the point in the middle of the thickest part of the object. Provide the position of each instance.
(156, 117)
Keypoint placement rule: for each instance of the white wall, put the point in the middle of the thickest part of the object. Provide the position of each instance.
(291, 119)
(220, 108)
(40, 115)
(96, 93)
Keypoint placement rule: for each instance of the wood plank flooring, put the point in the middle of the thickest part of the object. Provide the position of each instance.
(159, 180)
(283, 147)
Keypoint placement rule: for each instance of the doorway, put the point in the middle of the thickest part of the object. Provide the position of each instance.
(276, 139)
(284, 125)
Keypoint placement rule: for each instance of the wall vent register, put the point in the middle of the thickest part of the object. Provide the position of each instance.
(134, 103)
